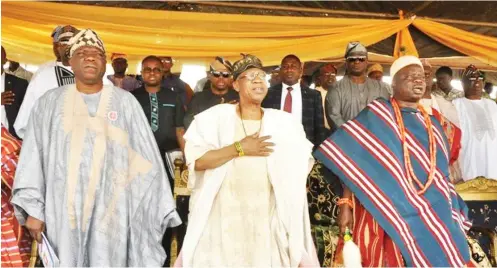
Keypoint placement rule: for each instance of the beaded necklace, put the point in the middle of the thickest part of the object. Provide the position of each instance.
(407, 157)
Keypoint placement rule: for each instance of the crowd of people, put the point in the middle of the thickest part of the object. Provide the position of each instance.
(278, 173)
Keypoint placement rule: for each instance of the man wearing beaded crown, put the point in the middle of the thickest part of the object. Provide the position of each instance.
(393, 160)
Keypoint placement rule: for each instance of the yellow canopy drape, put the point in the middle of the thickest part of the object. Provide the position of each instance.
(186, 35)
(404, 45)
(198, 37)
(481, 47)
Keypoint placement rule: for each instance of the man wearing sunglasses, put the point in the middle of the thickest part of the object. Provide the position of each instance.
(303, 103)
(173, 82)
(220, 91)
(355, 91)
(478, 118)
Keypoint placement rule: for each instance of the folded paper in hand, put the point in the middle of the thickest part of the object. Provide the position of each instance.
(47, 254)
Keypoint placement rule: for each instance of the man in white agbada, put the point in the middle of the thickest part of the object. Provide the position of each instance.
(48, 77)
(90, 173)
(248, 168)
(478, 118)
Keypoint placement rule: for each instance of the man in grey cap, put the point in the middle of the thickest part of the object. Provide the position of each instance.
(355, 91)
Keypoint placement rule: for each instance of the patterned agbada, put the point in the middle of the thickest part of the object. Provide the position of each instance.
(366, 153)
(91, 170)
(16, 242)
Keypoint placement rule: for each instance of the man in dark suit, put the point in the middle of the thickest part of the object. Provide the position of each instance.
(302, 102)
(13, 91)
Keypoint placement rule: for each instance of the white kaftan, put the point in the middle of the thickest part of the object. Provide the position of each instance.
(272, 227)
(479, 137)
(238, 232)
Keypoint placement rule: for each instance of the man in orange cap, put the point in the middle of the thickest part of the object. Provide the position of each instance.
(119, 78)
(376, 72)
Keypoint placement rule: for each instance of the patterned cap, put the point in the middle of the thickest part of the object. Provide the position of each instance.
(220, 63)
(355, 47)
(328, 68)
(84, 38)
(63, 31)
(248, 61)
(470, 71)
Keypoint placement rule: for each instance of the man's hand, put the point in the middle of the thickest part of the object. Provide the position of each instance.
(345, 218)
(35, 228)
(254, 145)
(8, 97)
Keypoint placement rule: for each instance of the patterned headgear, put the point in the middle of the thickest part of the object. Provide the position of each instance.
(220, 63)
(355, 47)
(328, 68)
(470, 71)
(248, 61)
(63, 31)
(84, 38)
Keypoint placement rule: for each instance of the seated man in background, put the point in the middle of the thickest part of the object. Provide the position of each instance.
(478, 118)
(119, 78)
(220, 90)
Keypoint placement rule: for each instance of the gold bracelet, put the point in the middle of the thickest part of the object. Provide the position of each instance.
(239, 149)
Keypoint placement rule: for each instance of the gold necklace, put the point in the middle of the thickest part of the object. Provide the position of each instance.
(243, 125)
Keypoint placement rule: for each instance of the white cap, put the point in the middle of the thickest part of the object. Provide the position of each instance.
(402, 62)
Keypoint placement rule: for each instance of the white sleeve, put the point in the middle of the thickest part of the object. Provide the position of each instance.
(37, 87)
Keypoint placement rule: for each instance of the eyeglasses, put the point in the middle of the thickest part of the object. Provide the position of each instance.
(217, 74)
(148, 70)
(254, 75)
(476, 78)
(354, 59)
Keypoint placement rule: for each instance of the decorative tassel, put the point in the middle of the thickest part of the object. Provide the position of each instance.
(351, 252)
